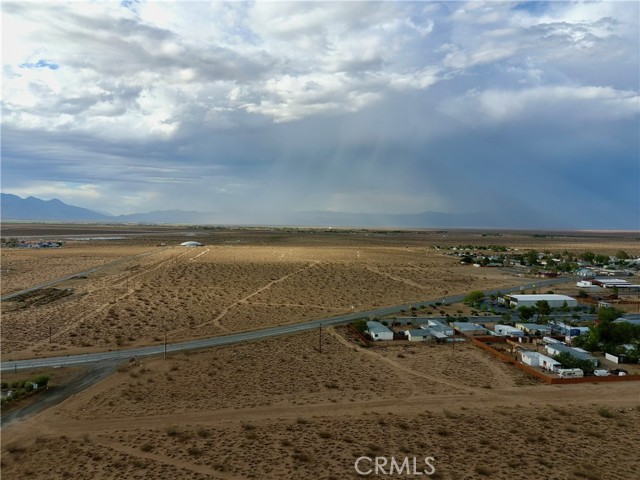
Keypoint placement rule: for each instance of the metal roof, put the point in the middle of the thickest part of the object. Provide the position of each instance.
(537, 297)
(377, 327)
(420, 332)
(467, 326)
(558, 347)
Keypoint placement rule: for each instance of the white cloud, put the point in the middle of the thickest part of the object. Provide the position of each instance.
(557, 104)
(188, 98)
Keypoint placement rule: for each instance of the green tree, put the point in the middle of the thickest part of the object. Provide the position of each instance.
(360, 325)
(569, 361)
(532, 257)
(587, 256)
(474, 298)
(601, 259)
(525, 313)
(622, 255)
(609, 314)
(589, 341)
(542, 308)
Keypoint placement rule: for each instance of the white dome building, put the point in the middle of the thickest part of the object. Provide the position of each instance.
(191, 244)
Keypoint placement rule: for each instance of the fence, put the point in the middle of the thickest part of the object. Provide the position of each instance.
(359, 335)
(482, 343)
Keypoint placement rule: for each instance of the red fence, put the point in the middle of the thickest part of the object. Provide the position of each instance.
(612, 378)
(508, 359)
(359, 335)
(482, 343)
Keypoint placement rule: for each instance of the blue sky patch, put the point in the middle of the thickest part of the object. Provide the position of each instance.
(41, 64)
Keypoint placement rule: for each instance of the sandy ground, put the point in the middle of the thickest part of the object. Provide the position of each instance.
(216, 289)
(280, 408)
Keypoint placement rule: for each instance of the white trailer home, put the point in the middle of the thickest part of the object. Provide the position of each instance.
(508, 331)
(570, 373)
(377, 331)
(419, 335)
(535, 359)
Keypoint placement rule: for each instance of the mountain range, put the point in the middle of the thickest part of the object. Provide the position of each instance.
(34, 209)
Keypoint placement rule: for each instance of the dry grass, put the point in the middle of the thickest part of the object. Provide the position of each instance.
(278, 408)
(211, 290)
(290, 449)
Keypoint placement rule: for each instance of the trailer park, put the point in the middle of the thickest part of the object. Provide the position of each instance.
(547, 345)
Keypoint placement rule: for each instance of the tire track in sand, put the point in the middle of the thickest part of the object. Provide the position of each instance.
(216, 321)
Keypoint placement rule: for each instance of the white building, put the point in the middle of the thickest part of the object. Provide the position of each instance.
(554, 300)
(534, 328)
(468, 328)
(438, 334)
(377, 331)
(508, 331)
(419, 335)
(535, 359)
(609, 282)
(558, 348)
(191, 244)
(440, 327)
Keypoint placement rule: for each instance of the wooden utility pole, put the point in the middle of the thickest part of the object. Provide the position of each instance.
(165, 340)
(320, 338)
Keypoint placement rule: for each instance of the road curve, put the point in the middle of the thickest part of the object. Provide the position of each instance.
(253, 335)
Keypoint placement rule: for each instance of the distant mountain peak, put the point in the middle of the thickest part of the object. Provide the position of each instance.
(33, 208)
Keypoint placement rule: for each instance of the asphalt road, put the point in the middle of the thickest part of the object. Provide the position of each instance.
(58, 393)
(125, 354)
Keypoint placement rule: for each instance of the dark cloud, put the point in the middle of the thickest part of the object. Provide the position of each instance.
(521, 112)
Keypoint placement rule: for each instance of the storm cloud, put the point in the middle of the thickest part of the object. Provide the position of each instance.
(504, 110)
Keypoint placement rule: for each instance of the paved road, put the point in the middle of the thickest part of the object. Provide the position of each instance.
(56, 394)
(245, 336)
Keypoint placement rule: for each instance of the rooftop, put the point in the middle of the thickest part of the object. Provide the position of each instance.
(466, 326)
(546, 296)
(420, 332)
(534, 326)
(559, 347)
(377, 327)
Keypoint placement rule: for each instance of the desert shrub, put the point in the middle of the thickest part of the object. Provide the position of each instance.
(41, 380)
(586, 472)
(605, 412)
(302, 456)
(146, 447)
(483, 471)
(194, 451)
(404, 426)
(13, 449)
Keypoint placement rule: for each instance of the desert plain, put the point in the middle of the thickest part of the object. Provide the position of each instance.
(281, 407)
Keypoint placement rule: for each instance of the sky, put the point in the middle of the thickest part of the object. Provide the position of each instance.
(525, 110)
